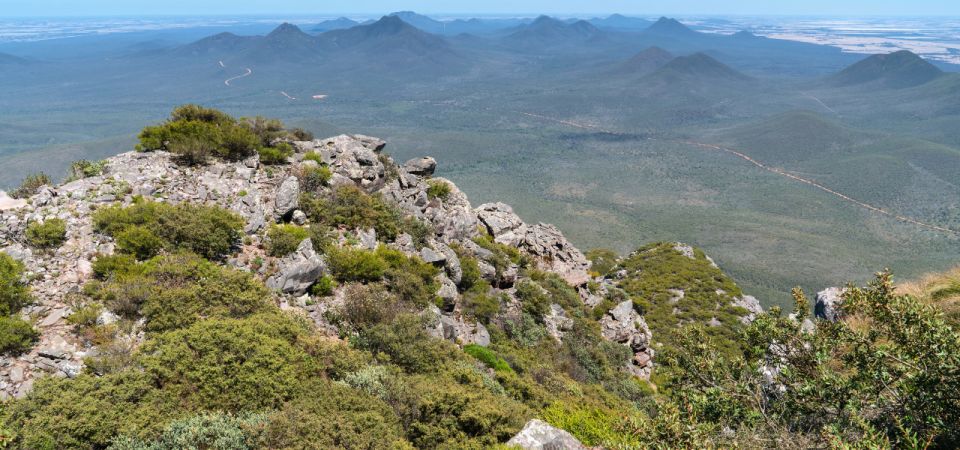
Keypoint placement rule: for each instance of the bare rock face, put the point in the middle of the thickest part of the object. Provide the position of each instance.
(555, 253)
(355, 158)
(828, 304)
(623, 325)
(539, 435)
(298, 270)
(423, 167)
(501, 222)
(288, 197)
(751, 304)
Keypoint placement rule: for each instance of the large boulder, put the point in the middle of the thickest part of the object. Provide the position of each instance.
(554, 253)
(423, 167)
(539, 435)
(288, 197)
(827, 306)
(623, 325)
(751, 304)
(297, 271)
(501, 222)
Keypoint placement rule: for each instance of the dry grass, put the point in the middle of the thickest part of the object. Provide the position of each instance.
(942, 289)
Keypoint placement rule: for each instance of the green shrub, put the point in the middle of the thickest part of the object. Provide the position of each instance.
(30, 185)
(354, 265)
(283, 240)
(140, 242)
(231, 364)
(409, 278)
(332, 416)
(404, 341)
(488, 357)
(438, 189)
(448, 415)
(14, 293)
(196, 134)
(470, 268)
(534, 299)
(315, 157)
(603, 261)
(480, 302)
(214, 431)
(85, 169)
(174, 291)
(209, 231)
(352, 208)
(16, 335)
(87, 411)
(47, 235)
(324, 286)
(107, 266)
(312, 179)
(277, 154)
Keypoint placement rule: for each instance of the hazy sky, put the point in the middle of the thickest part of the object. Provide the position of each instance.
(10, 8)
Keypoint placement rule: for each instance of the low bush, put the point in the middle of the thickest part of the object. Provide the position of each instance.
(231, 365)
(214, 431)
(147, 227)
(107, 266)
(334, 417)
(88, 411)
(355, 265)
(603, 261)
(488, 357)
(313, 179)
(283, 240)
(480, 302)
(16, 335)
(30, 185)
(176, 290)
(14, 293)
(324, 286)
(350, 207)
(277, 154)
(438, 189)
(85, 169)
(46, 235)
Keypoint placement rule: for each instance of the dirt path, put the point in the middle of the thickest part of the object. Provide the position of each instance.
(228, 80)
(287, 95)
(811, 97)
(763, 166)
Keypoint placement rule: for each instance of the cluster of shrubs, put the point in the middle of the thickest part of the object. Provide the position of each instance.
(16, 335)
(196, 134)
(352, 208)
(48, 234)
(146, 228)
(30, 185)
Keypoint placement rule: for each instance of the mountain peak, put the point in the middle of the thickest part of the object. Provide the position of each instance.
(286, 29)
(670, 26)
(647, 61)
(899, 69)
(699, 67)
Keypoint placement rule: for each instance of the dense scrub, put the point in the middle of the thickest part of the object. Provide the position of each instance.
(196, 134)
(16, 335)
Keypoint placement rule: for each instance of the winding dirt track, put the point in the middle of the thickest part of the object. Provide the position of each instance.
(228, 80)
(763, 166)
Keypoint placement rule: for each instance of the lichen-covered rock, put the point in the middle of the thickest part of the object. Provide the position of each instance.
(297, 271)
(557, 322)
(539, 435)
(827, 305)
(423, 167)
(554, 253)
(288, 197)
(502, 223)
(751, 304)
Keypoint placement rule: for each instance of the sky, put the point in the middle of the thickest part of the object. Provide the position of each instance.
(95, 8)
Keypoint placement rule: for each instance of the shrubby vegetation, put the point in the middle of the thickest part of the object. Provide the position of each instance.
(16, 335)
(48, 234)
(350, 207)
(197, 134)
(85, 169)
(30, 185)
(284, 239)
(146, 228)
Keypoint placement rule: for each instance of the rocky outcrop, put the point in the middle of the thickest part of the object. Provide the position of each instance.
(623, 325)
(827, 305)
(297, 271)
(423, 167)
(751, 304)
(539, 435)
(354, 159)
